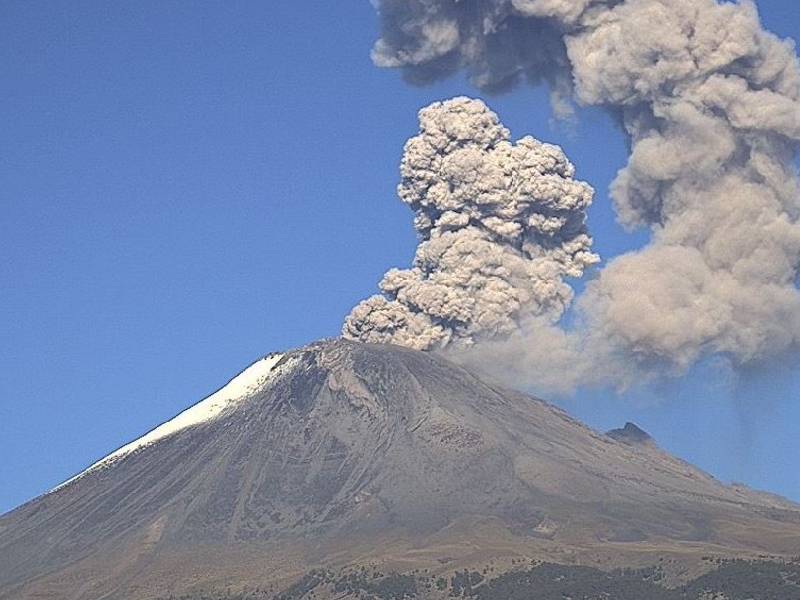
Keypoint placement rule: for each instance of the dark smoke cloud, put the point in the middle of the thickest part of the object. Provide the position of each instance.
(501, 225)
(710, 102)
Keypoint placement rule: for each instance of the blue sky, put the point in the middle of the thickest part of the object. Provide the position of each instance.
(186, 187)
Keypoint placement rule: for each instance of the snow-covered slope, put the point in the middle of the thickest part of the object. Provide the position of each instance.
(245, 384)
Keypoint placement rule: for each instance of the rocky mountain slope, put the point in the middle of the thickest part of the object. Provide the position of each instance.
(342, 454)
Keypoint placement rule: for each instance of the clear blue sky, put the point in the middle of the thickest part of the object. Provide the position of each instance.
(187, 186)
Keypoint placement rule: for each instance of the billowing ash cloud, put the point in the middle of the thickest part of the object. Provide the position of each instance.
(501, 224)
(710, 102)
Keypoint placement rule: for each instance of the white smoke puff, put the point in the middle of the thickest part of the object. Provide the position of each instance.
(711, 104)
(501, 225)
(718, 278)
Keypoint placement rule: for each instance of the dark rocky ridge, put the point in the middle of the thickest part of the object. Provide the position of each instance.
(358, 453)
(631, 434)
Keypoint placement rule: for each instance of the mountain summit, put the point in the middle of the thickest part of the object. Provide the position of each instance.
(343, 453)
(631, 433)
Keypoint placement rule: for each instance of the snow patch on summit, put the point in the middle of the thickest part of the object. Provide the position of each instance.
(244, 385)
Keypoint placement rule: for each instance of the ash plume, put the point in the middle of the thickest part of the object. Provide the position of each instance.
(501, 225)
(710, 103)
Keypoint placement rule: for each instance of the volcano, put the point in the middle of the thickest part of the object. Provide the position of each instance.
(342, 454)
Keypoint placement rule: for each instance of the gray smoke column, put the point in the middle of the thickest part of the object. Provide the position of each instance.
(501, 224)
(710, 103)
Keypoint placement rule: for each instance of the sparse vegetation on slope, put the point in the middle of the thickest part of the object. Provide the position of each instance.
(731, 580)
